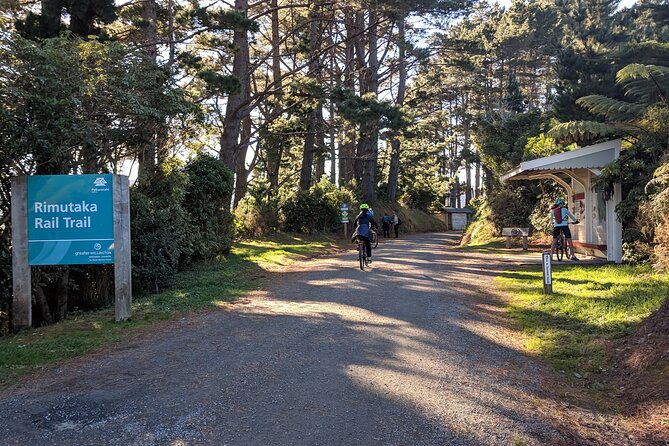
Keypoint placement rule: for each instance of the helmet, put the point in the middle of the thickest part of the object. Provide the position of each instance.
(559, 202)
(364, 206)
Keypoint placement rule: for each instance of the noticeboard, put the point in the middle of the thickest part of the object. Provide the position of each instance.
(70, 219)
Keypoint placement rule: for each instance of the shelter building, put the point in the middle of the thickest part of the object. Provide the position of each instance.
(457, 219)
(599, 232)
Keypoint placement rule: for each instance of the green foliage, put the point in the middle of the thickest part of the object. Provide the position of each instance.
(179, 216)
(581, 131)
(539, 218)
(207, 200)
(482, 228)
(502, 138)
(70, 106)
(541, 146)
(258, 212)
(317, 209)
(163, 237)
(367, 111)
(656, 209)
(512, 207)
(83, 17)
(612, 109)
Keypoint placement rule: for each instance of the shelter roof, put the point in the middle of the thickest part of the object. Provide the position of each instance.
(591, 157)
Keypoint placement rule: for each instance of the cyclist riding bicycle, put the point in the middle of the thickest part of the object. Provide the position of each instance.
(559, 218)
(363, 224)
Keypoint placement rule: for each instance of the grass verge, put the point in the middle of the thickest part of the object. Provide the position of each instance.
(206, 286)
(590, 304)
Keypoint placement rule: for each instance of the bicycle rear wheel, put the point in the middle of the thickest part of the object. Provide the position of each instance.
(375, 240)
(361, 256)
(561, 247)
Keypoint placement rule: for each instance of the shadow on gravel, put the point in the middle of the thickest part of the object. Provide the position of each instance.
(401, 354)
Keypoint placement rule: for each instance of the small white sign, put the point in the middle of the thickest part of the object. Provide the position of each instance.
(548, 280)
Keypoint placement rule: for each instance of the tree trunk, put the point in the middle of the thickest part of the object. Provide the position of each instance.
(308, 152)
(477, 180)
(42, 304)
(314, 124)
(63, 293)
(369, 138)
(234, 112)
(393, 173)
(468, 191)
(146, 157)
(466, 147)
(488, 181)
(241, 172)
(274, 155)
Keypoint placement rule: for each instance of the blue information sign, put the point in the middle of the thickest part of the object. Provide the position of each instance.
(70, 219)
(344, 213)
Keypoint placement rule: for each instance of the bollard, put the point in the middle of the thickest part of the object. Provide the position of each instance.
(548, 272)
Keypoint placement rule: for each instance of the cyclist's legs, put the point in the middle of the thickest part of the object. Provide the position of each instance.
(570, 241)
(368, 245)
(556, 232)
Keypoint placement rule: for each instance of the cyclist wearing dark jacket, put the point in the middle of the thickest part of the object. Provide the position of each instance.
(362, 224)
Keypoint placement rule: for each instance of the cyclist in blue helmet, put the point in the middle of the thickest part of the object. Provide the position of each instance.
(559, 218)
(363, 224)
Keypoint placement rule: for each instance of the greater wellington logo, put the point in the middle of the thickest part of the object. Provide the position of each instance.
(100, 182)
(97, 246)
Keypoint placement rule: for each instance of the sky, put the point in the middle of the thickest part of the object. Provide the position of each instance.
(623, 3)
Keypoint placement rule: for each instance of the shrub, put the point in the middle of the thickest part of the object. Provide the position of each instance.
(316, 209)
(257, 213)
(512, 207)
(482, 228)
(207, 200)
(163, 237)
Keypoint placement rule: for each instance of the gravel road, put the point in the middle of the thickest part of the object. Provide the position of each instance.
(412, 352)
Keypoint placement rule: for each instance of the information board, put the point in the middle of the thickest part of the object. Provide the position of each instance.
(344, 213)
(70, 219)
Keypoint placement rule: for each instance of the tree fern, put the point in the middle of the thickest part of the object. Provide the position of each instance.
(648, 83)
(612, 109)
(581, 131)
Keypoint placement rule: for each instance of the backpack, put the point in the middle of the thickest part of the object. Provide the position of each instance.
(557, 215)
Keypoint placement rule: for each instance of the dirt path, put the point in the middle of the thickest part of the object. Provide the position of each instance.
(412, 352)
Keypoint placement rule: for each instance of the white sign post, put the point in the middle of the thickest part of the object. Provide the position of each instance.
(548, 272)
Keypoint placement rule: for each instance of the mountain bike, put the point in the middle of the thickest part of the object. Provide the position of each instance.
(374, 238)
(362, 253)
(561, 243)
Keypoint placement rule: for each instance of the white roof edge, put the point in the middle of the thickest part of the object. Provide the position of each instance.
(564, 156)
(536, 164)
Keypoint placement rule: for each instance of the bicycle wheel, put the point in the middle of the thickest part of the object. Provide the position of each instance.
(375, 240)
(361, 255)
(561, 247)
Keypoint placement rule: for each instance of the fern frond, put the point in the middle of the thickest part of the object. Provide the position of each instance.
(581, 131)
(648, 83)
(641, 71)
(612, 109)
